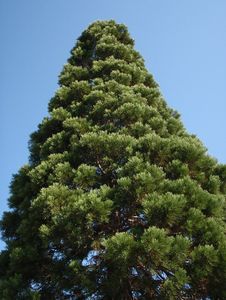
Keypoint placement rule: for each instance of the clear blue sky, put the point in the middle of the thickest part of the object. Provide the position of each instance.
(182, 42)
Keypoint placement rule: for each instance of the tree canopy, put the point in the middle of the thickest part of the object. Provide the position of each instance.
(118, 200)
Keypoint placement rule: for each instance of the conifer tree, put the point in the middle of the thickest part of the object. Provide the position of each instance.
(117, 201)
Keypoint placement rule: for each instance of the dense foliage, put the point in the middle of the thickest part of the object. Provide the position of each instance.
(118, 201)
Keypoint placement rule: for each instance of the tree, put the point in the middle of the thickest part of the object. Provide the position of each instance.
(118, 201)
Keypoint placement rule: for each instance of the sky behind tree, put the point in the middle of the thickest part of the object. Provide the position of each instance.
(183, 44)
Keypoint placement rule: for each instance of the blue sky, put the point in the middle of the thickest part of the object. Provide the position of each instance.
(183, 44)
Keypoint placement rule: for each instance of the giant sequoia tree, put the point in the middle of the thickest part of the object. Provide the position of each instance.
(118, 201)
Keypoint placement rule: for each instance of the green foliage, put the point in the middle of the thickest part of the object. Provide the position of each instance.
(118, 201)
